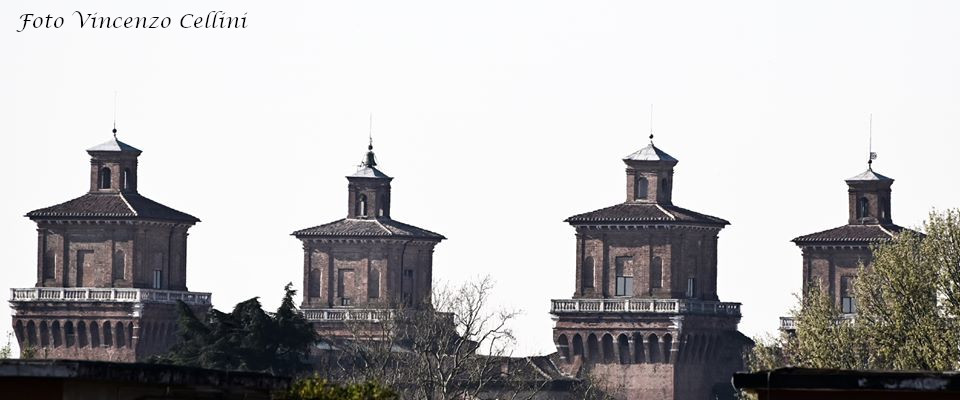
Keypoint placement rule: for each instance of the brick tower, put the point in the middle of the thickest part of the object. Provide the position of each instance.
(367, 264)
(111, 265)
(832, 257)
(645, 319)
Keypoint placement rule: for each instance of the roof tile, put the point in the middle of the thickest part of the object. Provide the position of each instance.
(368, 227)
(645, 212)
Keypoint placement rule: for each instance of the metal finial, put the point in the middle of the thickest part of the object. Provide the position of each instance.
(870, 154)
(651, 123)
(370, 133)
(114, 114)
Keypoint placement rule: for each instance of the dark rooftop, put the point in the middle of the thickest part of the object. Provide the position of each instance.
(649, 153)
(842, 384)
(645, 212)
(869, 175)
(853, 233)
(366, 171)
(113, 205)
(114, 145)
(382, 227)
(138, 373)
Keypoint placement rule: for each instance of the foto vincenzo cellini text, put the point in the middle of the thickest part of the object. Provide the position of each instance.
(93, 20)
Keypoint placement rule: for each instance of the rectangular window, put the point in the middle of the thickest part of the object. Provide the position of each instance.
(624, 286)
(848, 304)
(157, 279)
(656, 273)
(691, 287)
(373, 284)
(624, 274)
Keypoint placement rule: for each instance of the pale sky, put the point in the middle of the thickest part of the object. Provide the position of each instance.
(498, 119)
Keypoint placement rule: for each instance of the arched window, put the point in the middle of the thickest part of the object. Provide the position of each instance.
(82, 338)
(107, 334)
(641, 188)
(563, 347)
(104, 178)
(667, 347)
(638, 356)
(653, 344)
(608, 356)
(56, 333)
(863, 208)
(587, 272)
(593, 348)
(70, 334)
(656, 273)
(18, 330)
(31, 334)
(623, 347)
(577, 345)
(44, 334)
(121, 335)
(127, 184)
(94, 334)
(362, 206)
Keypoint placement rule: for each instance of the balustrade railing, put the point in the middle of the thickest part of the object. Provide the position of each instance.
(130, 295)
(788, 324)
(631, 305)
(348, 314)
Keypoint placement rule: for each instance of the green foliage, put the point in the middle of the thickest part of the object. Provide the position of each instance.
(908, 303)
(767, 353)
(903, 310)
(7, 350)
(247, 338)
(823, 339)
(317, 388)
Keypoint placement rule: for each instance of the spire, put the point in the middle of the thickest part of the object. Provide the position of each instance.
(651, 124)
(114, 115)
(371, 160)
(870, 154)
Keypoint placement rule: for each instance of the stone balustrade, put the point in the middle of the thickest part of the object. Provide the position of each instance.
(653, 306)
(129, 295)
(788, 324)
(347, 314)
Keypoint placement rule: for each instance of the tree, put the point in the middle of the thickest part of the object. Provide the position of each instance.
(317, 388)
(905, 300)
(823, 338)
(453, 348)
(908, 304)
(247, 338)
(7, 350)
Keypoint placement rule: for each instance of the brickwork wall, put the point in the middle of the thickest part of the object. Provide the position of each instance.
(829, 265)
(344, 271)
(93, 255)
(96, 331)
(683, 253)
